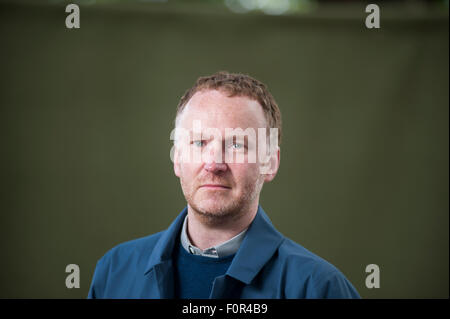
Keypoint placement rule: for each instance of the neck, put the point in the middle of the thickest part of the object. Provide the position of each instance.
(205, 235)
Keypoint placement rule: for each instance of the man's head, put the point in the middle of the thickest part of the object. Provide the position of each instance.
(215, 187)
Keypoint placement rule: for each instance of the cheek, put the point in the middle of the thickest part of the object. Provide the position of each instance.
(245, 174)
(188, 172)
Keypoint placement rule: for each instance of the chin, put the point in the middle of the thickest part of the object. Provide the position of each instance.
(214, 207)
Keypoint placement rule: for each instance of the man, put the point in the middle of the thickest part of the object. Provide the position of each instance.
(222, 245)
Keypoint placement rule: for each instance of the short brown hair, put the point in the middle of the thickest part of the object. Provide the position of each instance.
(236, 84)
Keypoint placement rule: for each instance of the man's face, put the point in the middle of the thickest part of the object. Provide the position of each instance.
(212, 186)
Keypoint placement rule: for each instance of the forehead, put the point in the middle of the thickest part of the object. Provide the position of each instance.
(215, 109)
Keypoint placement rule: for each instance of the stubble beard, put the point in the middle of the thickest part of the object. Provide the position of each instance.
(227, 209)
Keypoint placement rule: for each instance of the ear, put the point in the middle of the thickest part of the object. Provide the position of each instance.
(176, 161)
(272, 166)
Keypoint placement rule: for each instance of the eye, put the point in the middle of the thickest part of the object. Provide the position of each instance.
(237, 146)
(198, 143)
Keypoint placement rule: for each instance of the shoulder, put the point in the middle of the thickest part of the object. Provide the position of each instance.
(132, 248)
(120, 265)
(321, 279)
(294, 255)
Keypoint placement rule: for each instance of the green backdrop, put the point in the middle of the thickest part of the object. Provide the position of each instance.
(85, 118)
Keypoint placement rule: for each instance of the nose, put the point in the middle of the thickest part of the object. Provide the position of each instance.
(215, 168)
(213, 159)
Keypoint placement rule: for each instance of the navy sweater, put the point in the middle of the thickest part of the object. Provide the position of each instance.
(194, 274)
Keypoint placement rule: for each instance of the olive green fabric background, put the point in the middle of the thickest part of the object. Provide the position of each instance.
(86, 116)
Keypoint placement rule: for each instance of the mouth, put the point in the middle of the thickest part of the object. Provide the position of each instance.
(215, 186)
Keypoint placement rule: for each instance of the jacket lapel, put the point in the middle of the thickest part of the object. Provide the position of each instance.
(259, 245)
(159, 271)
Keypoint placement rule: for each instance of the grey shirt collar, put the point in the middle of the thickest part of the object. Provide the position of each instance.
(227, 248)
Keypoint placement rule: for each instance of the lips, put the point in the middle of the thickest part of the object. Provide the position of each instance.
(215, 186)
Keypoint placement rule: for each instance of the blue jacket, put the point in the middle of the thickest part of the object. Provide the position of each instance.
(267, 265)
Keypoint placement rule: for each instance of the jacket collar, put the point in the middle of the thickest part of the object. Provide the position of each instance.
(260, 243)
(164, 246)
